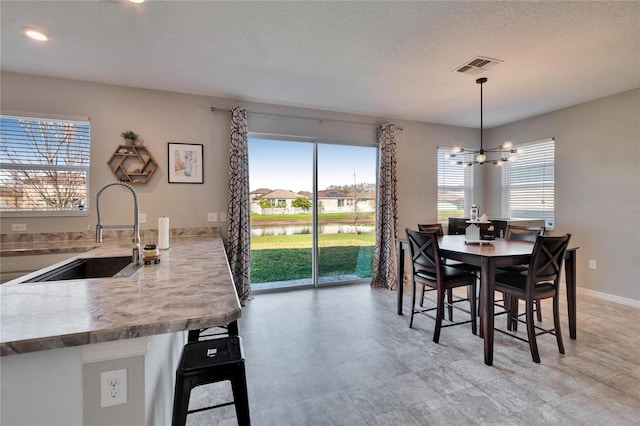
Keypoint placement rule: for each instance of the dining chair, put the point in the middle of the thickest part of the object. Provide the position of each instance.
(521, 233)
(436, 228)
(540, 281)
(457, 225)
(428, 270)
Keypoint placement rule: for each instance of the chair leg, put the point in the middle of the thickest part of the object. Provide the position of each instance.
(531, 332)
(413, 301)
(439, 314)
(514, 307)
(538, 310)
(479, 297)
(422, 297)
(450, 303)
(240, 397)
(556, 324)
(181, 398)
(471, 295)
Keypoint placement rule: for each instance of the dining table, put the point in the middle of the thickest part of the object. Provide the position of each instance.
(488, 256)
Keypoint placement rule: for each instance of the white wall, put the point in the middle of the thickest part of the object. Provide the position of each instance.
(161, 117)
(597, 157)
(597, 185)
(42, 388)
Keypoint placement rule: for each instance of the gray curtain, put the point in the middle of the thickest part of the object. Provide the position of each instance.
(384, 257)
(238, 230)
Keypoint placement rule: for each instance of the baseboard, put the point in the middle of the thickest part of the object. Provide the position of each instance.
(610, 297)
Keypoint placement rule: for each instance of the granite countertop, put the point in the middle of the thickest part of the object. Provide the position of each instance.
(191, 287)
(47, 247)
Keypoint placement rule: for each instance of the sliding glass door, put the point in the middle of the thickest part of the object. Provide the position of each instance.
(346, 201)
(312, 212)
(280, 183)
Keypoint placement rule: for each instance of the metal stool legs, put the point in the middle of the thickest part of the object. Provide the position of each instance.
(211, 361)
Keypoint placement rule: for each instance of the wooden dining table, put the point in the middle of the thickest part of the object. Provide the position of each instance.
(487, 257)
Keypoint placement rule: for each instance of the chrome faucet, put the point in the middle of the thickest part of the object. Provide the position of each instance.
(135, 257)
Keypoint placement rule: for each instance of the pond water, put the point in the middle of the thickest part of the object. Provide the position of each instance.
(329, 228)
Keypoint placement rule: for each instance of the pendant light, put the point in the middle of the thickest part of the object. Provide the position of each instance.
(496, 156)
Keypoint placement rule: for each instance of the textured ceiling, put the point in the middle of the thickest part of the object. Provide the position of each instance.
(390, 59)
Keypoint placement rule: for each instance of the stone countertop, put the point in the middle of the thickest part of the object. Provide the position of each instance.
(49, 247)
(191, 287)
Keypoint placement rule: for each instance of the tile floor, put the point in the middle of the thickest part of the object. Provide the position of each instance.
(342, 356)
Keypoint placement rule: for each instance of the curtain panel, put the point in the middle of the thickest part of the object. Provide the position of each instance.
(384, 257)
(238, 230)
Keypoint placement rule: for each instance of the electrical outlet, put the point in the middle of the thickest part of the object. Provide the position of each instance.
(223, 216)
(19, 227)
(212, 217)
(592, 264)
(113, 388)
(142, 218)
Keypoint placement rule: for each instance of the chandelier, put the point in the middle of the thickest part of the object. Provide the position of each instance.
(496, 156)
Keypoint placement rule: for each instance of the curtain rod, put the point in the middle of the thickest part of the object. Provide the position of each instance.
(320, 120)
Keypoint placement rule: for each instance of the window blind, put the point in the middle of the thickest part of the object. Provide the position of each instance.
(529, 183)
(455, 187)
(44, 164)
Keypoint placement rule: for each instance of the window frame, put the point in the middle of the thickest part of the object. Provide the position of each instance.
(7, 165)
(534, 153)
(453, 170)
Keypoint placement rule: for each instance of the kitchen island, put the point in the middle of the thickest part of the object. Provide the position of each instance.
(77, 326)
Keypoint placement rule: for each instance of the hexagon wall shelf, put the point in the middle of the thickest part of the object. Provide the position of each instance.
(132, 164)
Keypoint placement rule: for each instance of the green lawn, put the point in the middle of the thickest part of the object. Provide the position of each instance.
(288, 257)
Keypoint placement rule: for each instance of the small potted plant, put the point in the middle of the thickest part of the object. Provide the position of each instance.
(129, 136)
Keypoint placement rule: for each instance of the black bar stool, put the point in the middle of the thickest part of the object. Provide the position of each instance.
(211, 361)
(230, 329)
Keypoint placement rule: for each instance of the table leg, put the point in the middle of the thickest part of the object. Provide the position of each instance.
(487, 270)
(570, 278)
(400, 273)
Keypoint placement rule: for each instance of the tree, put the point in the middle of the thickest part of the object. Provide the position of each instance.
(302, 202)
(355, 192)
(45, 176)
(265, 203)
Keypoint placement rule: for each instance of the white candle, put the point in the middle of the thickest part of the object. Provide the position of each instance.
(163, 233)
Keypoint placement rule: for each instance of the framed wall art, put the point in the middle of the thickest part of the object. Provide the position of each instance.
(185, 163)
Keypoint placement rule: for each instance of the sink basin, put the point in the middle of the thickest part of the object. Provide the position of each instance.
(94, 267)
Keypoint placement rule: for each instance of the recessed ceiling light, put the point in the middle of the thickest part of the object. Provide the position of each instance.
(35, 34)
(136, 1)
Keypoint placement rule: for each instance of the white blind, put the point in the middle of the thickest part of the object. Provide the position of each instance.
(44, 164)
(455, 187)
(528, 183)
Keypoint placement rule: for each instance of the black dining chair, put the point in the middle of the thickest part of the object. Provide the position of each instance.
(540, 281)
(428, 270)
(521, 233)
(436, 228)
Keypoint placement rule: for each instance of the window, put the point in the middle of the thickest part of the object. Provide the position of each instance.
(528, 183)
(44, 165)
(455, 187)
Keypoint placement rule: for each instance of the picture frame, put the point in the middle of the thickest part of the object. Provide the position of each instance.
(185, 163)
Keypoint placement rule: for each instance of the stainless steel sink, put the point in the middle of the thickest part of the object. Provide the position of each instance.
(93, 267)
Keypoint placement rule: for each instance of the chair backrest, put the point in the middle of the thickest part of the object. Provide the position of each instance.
(546, 260)
(436, 228)
(425, 253)
(457, 225)
(523, 233)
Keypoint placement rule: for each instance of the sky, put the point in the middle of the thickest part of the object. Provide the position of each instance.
(289, 165)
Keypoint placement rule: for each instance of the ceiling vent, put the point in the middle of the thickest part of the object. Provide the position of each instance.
(477, 65)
